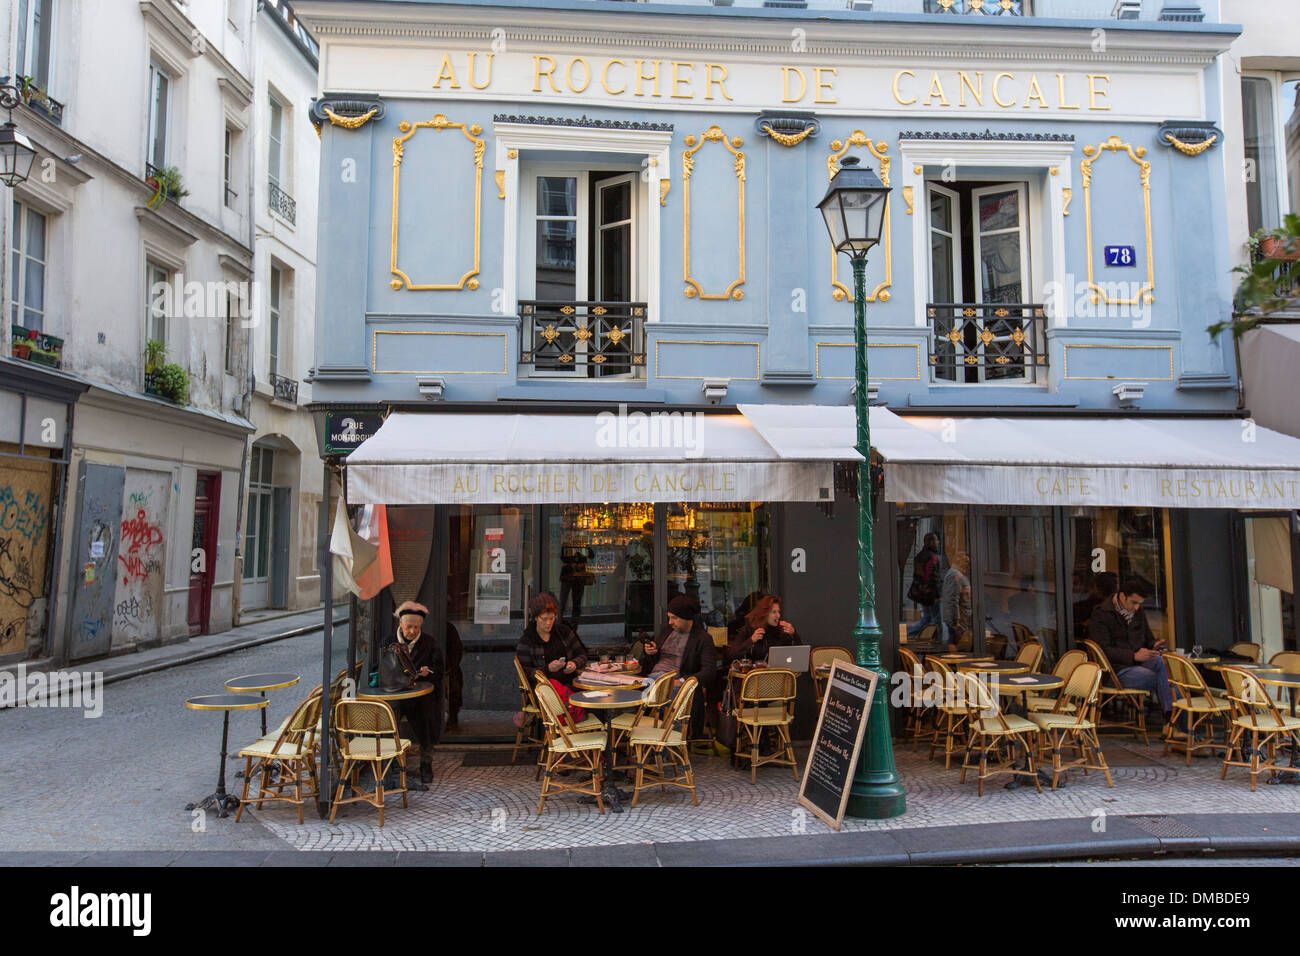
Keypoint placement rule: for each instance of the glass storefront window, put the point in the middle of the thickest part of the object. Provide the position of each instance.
(1270, 585)
(717, 554)
(1111, 544)
(600, 567)
(1019, 571)
(938, 622)
(490, 568)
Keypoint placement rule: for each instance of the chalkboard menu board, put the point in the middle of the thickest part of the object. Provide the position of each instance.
(840, 727)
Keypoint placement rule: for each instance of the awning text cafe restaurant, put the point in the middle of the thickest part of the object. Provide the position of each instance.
(615, 512)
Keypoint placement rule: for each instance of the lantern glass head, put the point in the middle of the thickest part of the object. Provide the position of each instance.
(16, 155)
(854, 208)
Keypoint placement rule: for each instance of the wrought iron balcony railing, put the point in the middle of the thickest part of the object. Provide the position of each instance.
(987, 8)
(582, 339)
(973, 342)
(286, 389)
(280, 202)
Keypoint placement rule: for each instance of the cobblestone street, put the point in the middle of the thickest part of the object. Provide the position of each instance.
(120, 783)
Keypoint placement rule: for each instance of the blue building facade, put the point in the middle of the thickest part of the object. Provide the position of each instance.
(550, 208)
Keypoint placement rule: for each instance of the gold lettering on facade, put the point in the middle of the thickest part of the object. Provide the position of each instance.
(997, 99)
(678, 80)
(586, 75)
(823, 84)
(642, 76)
(898, 97)
(604, 77)
(976, 88)
(1035, 93)
(708, 72)
(549, 73)
(486, 83)
(936, 89)
(1060, 94)
(785, 84)
(1094, 92)
(445, 72)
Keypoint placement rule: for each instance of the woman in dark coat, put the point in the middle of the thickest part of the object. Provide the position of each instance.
(764, 629)
(424, 713)
(549, 645)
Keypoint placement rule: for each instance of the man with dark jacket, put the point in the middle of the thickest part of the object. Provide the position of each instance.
(684, 646)
(1120, 627)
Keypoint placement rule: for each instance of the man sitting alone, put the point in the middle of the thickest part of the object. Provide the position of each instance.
(1120, 627)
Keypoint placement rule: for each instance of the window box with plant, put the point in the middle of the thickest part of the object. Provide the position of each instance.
(1270, 282)
(34, 95)
(166, 184)
(32, 345)
(164, 379)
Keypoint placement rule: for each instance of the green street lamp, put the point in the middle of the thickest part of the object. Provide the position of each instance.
(854, 210)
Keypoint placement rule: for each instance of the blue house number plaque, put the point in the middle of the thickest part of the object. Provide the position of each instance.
(1120, 256)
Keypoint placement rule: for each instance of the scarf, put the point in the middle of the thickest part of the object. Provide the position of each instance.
(1123, 612)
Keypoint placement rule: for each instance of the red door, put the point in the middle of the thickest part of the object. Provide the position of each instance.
(203, 550)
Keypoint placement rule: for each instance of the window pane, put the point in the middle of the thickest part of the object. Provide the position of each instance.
(1257, 124)
(275, 138)
(941, 265)
(35, 235)
(557, 196)
(34, 286)
(616, 203)
(940, 212)
(616, 264)
(557, 272)
(22, 35)
(264, 538)
(158, 150)
(1019, 580)
(1000, 268)
(1291, 130)
(999, 211)
(268, 465)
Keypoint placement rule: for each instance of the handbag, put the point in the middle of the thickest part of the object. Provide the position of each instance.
(395, 667)
(727, 720)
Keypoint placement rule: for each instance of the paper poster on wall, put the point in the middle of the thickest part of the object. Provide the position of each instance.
(491, 599)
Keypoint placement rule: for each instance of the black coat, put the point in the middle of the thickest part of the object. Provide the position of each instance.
(425, 713)
(534, 653)
(699, 660)
(1117, 637)
(741, 648)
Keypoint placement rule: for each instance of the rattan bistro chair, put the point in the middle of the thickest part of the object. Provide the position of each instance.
(1246, 649)
(950, 712)
(1073, 723)
(529, 732)
(1255, 713)
(1202, 708)
(568, 749)
(1031, 654)
(1065, 665)
(366, 731)
(1132, 700)
(656, 699)
(667, 738)
(915, 711)
(288, 753)
(990, 731)
(823, 657)
(766, 704)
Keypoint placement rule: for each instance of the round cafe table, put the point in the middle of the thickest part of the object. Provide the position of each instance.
(1025, 684)
(219, 800)
(260, 684)
(603, 703)
(1203, 659)
(1256, 669)
(1001, 668)
(951, 659)
(584, 681)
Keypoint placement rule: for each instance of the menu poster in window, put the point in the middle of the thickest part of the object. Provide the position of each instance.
(840, 728)
(491, 599)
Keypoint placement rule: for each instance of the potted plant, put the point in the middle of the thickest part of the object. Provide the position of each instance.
(22, 344)
(174, 383)
(30, 92)
(1269, 282)
(166, 184)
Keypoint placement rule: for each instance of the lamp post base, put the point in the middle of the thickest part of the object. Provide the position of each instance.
(876, 801)
(876, 792)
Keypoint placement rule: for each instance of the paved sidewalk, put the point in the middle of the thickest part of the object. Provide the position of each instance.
(262, 629)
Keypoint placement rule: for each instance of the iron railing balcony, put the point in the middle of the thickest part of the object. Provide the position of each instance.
(286, 389)
(986, 8)
(280, 202)
(987, 342)
(582, 339)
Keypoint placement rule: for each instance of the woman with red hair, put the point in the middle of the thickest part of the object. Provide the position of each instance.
(764, 629)
(552, 647)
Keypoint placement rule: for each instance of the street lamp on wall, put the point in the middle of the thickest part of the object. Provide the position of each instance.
(854, 210)
(16, 150)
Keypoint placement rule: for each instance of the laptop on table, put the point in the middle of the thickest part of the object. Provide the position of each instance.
(790, 658)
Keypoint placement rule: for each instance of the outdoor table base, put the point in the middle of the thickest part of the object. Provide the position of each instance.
(421, 688)
(618, 698)
(219, 800)
(1042, 682)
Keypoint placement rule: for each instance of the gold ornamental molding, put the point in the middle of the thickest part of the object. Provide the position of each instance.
(1066, 194)
(713, 134)
(349, 122)
(374, 354)
(439, 123)
(817, 361)
(907, 198)
(664, 185)
(879, 149)
(500, 177)
(1191, 149)
(1065, 361)
(1146, 294)
(787, 139)
(758, 358)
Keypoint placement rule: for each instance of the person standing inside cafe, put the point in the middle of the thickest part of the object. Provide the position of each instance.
(764, 629)
(684, 646)
(423, 713)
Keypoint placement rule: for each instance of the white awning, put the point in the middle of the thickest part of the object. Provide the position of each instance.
(540, 458)
(1102, 462)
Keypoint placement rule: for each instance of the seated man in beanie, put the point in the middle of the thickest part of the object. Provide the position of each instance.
(684, 646)
(424, 713)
